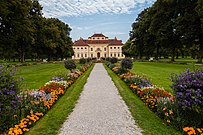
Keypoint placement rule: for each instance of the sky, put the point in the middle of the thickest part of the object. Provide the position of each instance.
(113, 18)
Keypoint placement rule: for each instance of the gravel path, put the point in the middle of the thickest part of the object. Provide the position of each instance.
(100, 109)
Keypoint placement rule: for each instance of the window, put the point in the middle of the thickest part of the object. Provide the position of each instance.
(73, 48)
(93, 38)
(111, 55)
(91, 49)
(110, 47)
(92, 55)
(85, 47)
(81, 48)
(118, 47)
(102, 38)
(85, 55)
(105, 55)
(78, 55)
(114, 54)
(81, 55)
(114, 47)
(78, 48)
(118, 55)
(104, 48)
(97, 38)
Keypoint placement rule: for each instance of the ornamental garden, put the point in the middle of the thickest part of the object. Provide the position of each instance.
(179, 108)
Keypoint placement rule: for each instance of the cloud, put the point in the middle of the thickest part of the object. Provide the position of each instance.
(60, 8)
(115, 33)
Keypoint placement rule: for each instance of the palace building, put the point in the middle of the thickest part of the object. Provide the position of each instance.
(98, 46)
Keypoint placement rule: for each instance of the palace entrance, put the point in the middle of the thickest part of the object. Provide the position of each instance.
(98, 55)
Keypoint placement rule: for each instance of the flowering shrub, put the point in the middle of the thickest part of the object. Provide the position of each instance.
(9, 100)
(51, 86)
(25, 124)
(70, 64)
(126, 63)
(82, 61)
(151, 95)
(188, 93)
(188, 90)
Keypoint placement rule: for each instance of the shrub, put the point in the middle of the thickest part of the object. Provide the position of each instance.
(70, 64)
(108, 59)
(114, 60)
(126, 63)
(82, 60)
(188, 93)
(188, 90)
(9, 100)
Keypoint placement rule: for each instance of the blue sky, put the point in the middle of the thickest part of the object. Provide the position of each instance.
(113, 18)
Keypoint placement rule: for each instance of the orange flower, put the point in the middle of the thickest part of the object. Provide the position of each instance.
(199, 130)
(166, 114)
(36, 102)
(164, 108)
(170, 112)
(168, 121)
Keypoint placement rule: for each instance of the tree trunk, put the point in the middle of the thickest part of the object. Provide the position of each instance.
(157, 52)
(173, 55)
(22, 56)
(177, 55)
(201, 48)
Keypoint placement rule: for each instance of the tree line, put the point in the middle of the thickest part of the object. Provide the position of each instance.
(25, 33)
(169, 28)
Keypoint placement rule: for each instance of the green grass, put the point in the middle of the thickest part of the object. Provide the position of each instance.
(159, 73)
(146, 120)
(37, 75)
(53, 120)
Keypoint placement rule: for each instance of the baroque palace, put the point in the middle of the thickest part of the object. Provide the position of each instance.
(97, 46)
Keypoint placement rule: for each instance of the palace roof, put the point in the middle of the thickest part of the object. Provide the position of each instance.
(85, 42)
(98, 35)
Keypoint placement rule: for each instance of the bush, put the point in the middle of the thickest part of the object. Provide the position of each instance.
(9, 100)
(108, 59)
(126, 63)
(188, 90)
(114, 60)
(82, 60)
(188, 93)
(70, 64)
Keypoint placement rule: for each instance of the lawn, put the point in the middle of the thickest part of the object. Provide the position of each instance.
(37, 75)
(159, 73)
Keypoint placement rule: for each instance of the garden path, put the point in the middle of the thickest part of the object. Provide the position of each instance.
(100, 109)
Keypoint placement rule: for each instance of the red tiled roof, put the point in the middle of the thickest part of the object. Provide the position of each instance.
(98, 35)
(97, 41)
(116, 42)
(82, 42)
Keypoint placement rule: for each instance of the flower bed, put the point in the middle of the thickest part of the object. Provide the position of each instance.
(33, 104)
(167, 106)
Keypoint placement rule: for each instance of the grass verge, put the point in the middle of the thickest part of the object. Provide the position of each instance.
(53, 120)
(146, 119)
